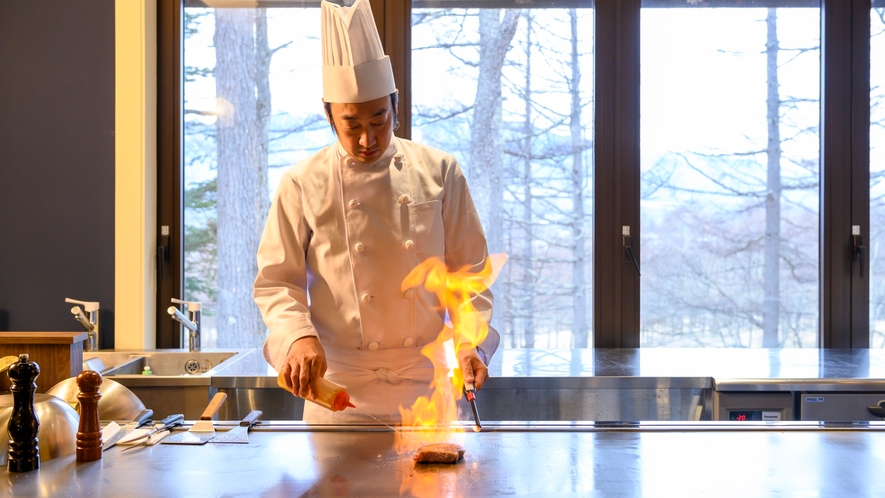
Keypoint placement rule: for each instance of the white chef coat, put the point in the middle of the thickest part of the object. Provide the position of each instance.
(340, 238)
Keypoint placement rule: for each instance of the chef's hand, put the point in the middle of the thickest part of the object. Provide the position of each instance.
(474, 369)
(305, 364)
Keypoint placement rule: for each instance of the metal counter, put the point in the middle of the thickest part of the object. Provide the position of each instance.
(515, 460)
(531, 394)
(590, 384)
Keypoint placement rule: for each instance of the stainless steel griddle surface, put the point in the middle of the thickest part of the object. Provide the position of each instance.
(630, 460)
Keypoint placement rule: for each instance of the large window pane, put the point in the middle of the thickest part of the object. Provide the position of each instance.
(509, 93)
(252, 98)
(877, 175)
(729, 161)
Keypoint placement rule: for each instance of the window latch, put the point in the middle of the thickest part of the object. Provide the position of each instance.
(627, 242)
(163, 251)
(858, 247)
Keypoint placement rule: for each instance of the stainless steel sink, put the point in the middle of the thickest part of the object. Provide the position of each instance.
(180, 381)
(161, 362)
(104, 361)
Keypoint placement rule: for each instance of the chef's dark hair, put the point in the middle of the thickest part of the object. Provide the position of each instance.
(394, 100)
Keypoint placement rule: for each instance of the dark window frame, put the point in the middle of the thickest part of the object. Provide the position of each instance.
(170, 193)
(844, 156)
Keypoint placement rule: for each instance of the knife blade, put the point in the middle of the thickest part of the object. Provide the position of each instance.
(143, 439)
(139, 420)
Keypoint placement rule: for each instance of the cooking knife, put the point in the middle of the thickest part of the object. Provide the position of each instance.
(470, 394)
(239, 434)
(137, 438)
(137, 422)
(202, 431)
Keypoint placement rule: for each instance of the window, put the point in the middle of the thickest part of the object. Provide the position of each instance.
(509, 92)
(571, 119)
(729, 188)
(536, 207)
(877, 177)
(252, 108)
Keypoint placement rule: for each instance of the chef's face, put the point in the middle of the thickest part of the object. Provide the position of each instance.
(364, 129)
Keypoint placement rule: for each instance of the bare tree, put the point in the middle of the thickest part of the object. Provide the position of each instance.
(877, 175)
(496, 31)
(242, 62)
(771, 299)
(495, 34)
(528, 274)
(580, 331)
(704, 279)
(522, 172)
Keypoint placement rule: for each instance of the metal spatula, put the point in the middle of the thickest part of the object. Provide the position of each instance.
(239, 434)
(203, 430)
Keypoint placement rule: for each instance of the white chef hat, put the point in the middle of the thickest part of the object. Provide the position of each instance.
(355, 68)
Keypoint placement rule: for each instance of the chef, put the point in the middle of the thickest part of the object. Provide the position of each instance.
(345, 228)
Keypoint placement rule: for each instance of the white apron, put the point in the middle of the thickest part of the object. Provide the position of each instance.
(378, 382)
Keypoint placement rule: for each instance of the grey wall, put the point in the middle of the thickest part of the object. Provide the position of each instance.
(56, 162)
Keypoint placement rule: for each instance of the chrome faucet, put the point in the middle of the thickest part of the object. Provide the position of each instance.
(192, 324)
(90, 324)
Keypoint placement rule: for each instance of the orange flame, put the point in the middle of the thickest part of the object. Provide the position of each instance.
(456, 291)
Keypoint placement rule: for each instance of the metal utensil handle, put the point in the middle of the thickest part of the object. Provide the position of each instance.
(251, 418)
(171, 421)
(164, 425)
(144, 440)
(143, 417)
(212, 410)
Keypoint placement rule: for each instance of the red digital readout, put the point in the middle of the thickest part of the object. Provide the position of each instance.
(741, 417)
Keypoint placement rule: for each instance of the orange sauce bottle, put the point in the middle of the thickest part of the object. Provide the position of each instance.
(331, 395)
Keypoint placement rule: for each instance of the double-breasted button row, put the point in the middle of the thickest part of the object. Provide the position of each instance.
(360, 247)
(408, 294)
(404, 199)
(407, 342)
(353, 203)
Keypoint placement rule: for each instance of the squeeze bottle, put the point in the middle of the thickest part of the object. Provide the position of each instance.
(331, 395)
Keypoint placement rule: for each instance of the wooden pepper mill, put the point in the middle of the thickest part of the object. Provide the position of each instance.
(24, 454)
(89, 431)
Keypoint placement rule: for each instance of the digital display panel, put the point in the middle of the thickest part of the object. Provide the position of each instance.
(745, 415)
